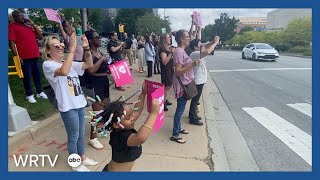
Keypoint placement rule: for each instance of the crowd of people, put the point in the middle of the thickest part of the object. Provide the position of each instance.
(178, 57)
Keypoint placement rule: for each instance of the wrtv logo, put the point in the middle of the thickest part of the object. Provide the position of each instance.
(34, 160)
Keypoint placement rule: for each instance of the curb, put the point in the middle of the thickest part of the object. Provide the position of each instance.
(31, 134)
(230, 151)
(215, 145)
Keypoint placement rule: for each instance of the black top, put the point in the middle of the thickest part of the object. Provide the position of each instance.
(93, 80)
(128, 42)
(116, 56)
(103, 66)
(121, 152)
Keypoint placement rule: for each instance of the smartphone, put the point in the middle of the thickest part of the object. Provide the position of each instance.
(110, 60)
(79, 41)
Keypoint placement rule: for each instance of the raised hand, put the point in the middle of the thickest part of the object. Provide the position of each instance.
(155, 107)
(85, 41)
(73, 42)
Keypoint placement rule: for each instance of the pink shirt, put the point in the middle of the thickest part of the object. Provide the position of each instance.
(181, 57)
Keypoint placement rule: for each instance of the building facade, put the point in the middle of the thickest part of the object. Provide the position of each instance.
(279, 18)
(257, 23)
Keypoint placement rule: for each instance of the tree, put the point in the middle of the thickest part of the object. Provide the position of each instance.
(71, 12)
(96, 18)
(38, 16)
(129, 17)
(298, 32)
(151, 23)
(225, 26)
(246, 29)
(208, 33)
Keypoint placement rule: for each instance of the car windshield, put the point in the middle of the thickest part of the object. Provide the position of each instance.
(263, 46)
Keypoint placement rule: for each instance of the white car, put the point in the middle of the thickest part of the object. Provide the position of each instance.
(262, 51)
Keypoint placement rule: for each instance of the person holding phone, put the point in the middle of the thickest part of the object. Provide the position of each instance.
(23, 34)
(184, 70)
(66, 30)
(200, 72)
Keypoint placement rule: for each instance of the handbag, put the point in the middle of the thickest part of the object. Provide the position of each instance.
(88, 91)
(190, 90)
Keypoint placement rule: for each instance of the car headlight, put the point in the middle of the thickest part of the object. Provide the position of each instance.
(260, 52)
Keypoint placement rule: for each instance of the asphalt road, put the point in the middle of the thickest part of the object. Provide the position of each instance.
(271, 103)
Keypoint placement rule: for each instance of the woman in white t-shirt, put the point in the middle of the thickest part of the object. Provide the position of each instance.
(63, 77)
(200, 71)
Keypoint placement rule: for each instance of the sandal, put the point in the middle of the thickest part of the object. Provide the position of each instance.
(177, 139)
(183, 131)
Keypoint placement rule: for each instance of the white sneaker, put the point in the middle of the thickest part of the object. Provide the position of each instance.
(95, 143)
(31, 99)
(42, 95)
(89, 162)
(81, 168)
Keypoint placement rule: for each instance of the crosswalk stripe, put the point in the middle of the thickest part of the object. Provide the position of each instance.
(296, 139)
(305, 108)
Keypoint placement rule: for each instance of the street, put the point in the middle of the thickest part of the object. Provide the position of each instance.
(271, 104)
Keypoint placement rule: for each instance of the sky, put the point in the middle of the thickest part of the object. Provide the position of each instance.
(181, 18)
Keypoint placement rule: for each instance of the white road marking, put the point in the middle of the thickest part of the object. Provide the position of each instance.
(308, 102)
(305, 108)
(263, 69)
(296, 139)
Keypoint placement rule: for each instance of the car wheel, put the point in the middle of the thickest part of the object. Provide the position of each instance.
(254, 56)
(243, 56)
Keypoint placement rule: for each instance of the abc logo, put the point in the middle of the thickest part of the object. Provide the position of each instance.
(74, 160)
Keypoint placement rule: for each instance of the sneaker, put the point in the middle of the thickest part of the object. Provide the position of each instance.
(95, 143)
(31, 99)
(81, 168)
(89, 162)
(198, 123)
(42, 95)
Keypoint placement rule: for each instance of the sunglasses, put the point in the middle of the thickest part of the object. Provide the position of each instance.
(97, 37)
(58, 45)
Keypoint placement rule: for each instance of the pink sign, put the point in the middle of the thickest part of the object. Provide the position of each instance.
(197, 18)
(121, 73)
(156, 91)
(52, 14)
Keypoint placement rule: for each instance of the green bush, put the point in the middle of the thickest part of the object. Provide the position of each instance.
(282, 47)
(237, 47)
(305, 50)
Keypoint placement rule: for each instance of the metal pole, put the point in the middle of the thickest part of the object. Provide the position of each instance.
(84, 19)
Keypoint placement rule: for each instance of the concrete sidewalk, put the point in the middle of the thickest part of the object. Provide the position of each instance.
(159, 153)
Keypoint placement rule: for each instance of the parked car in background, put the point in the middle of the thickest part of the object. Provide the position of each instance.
(260, 51)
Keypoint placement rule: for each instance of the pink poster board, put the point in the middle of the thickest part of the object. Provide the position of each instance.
(52, 15)
(156, 91)
(121, 73)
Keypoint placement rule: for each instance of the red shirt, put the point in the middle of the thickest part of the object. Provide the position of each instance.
(25, 39)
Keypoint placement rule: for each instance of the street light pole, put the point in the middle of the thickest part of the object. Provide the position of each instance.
(84, 19)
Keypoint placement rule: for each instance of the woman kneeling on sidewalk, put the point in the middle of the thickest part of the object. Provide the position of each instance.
(64, 80)
(119, 118)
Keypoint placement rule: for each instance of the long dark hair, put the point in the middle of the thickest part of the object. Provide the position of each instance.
(89, 35)
(147, 39)
(162, 45)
